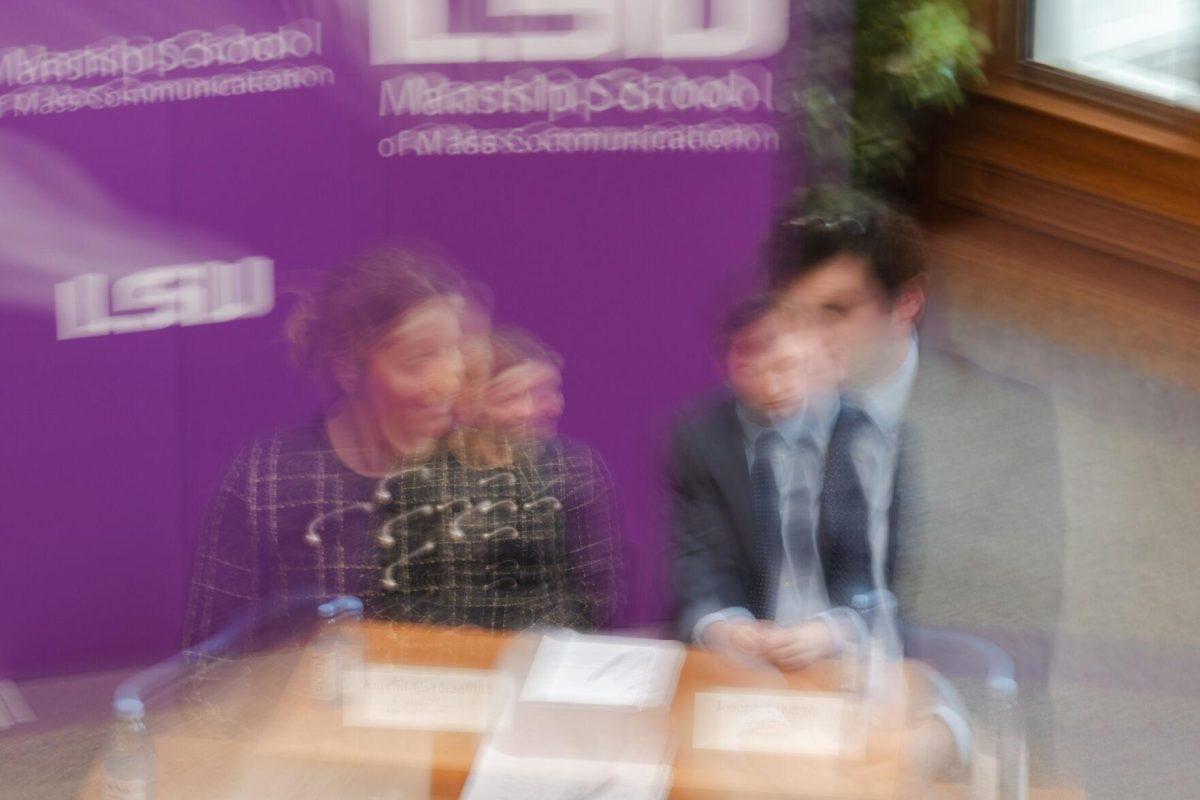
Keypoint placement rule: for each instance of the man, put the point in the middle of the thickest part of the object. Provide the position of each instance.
(962, 464)
(741, 475)
(769, 550)
(937, 482)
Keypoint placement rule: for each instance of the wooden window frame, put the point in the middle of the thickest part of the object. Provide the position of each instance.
(1007, 21)
(1071, 157)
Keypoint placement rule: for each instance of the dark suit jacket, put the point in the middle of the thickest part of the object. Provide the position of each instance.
(717, 561)
(977, 527)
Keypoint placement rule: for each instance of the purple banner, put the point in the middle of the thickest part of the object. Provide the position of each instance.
(171, 171)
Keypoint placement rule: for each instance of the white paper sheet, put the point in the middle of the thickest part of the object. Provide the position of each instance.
(498, 776)
(603, 671)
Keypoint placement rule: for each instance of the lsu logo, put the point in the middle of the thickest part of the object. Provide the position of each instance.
(186, 294)
(420, 31)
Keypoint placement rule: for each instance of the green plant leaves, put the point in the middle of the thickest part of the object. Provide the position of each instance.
(909, 56)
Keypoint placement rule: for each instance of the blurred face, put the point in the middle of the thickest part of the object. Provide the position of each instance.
(773, 368)
(477, 362)
(412, 377)
(525, 402)
(861, 324)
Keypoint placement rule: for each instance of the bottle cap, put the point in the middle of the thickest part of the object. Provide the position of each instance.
(1003, 687)
(129, 708)
(346, 604)
(868, 601)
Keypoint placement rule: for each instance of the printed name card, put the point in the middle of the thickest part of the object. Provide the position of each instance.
(499, 776)
(422, 698)
(603, 671)
(798, 723)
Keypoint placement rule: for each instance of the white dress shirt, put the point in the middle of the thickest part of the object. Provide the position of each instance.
(876, 447)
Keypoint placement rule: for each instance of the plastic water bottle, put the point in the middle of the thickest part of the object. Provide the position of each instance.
(1000, 763)
(1012, 748)
(339, 647)
(880, 657)
(351, 641)
(129, 762)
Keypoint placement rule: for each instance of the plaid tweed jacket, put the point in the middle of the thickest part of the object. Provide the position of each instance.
(290, 521)
(512, 547)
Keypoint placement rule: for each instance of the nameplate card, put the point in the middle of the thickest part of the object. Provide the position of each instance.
(422, 698)
(797, 723)
(603, 671)
(499, 776)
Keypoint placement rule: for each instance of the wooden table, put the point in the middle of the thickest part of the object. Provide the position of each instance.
(270, 738)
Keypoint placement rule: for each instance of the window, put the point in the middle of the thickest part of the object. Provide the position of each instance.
(1149, 47)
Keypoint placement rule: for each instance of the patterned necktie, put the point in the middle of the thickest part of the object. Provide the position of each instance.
(768, 535)
(845, 519)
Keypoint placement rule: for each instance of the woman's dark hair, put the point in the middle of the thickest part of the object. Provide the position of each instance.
(816, 225)
(358, 303)
(514, 346)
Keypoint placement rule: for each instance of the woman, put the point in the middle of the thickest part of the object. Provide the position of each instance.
(310, 512)
(298, 514)
(529, 539)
